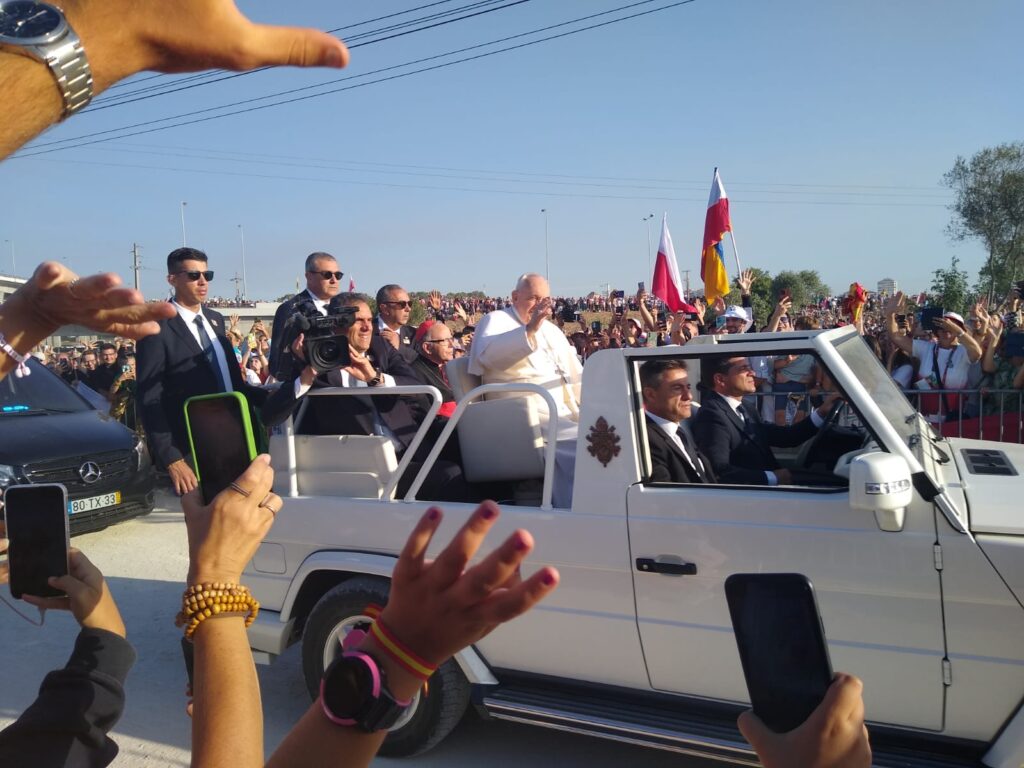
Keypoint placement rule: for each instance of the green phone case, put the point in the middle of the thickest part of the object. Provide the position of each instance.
(243, 406)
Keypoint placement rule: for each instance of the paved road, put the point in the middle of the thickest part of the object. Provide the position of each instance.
(145, 562)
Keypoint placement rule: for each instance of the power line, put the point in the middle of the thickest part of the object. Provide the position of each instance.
(207, 78)
(351, 87)
(329, 31)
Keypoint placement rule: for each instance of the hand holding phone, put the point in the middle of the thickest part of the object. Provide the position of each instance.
(221, 437)
(88, 597)
(781, 643)
(36, 521)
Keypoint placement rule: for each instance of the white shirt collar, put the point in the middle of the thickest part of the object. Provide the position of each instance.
(670, 427)
(187, 314)
(321, 304)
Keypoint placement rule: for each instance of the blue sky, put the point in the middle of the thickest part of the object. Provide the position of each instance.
(831, 123)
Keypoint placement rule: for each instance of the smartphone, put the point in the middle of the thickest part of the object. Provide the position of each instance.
(929, 315)
(784, 294)
(901, 320)
(618, 294)
(596, 326)
(640, 286)
(662, 317)
(720, 321)
(220, 435)
(568, 314)
(36, 517)
(782, 647)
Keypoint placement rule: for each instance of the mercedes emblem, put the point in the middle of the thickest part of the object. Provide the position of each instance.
(89, 472)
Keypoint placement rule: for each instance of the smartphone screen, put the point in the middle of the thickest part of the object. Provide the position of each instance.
(640, 286)
(782, 645)
(36, 517)
(596, 326)
(222, 440)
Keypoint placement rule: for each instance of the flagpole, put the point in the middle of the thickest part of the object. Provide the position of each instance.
(732, 234)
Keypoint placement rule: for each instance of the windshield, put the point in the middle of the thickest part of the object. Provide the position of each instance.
(40, 392)
(883, 390)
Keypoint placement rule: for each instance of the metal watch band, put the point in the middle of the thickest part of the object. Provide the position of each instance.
(70, 67)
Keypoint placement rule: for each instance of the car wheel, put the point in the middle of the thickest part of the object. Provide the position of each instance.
(435, 710)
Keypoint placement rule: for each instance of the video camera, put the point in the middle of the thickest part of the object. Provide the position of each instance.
(325, 342)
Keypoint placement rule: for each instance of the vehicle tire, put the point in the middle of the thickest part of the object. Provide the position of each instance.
(435, 711)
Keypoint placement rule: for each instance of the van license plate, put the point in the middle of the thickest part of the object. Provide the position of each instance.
(94, 502)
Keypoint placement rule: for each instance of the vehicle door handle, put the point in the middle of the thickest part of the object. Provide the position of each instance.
(651, 565)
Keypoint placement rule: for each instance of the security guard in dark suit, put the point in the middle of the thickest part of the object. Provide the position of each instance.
(392, 323)
(668, 400)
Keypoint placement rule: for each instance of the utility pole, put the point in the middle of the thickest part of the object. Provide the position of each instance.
(136, 265)
(647, 219)
(547, 265)
(237, 281)
(686, 285)
(245, 290)
(183, 204)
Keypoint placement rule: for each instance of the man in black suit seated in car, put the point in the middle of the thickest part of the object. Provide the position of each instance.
(733, 436)
(668, 401)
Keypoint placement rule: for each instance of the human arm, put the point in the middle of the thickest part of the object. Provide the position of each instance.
(988, 360)
(77, 705)
(55, 296)
(121, 38)
(227, 719)
(714, 436)
(897, 304)
(834, 736)
(966, 339)
(781, 309)
(650, 324)
(435, 608)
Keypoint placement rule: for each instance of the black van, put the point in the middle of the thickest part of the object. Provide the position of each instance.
(50, 434)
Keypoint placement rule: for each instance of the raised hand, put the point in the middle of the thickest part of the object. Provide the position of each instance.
(88, 597)
(438, 607)
(745, 281)
(895, 305)
(435, 300)
(834, 736)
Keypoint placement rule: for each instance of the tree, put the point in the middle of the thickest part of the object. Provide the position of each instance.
(989, 206)
(760, 295)
(804, 286)
(950, 289)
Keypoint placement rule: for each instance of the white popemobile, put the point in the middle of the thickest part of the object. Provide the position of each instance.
(916, 554)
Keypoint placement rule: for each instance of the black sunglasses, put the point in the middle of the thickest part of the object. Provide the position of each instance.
(194, 275)
(399, 304)
(327, 275)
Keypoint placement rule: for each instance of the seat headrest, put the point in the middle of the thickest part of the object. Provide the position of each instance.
(460, 378)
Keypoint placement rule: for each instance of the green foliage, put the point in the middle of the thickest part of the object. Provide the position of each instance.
(950, 289)
(989, 206)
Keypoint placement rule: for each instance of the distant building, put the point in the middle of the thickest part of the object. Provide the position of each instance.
(887, 286)
(8, 285)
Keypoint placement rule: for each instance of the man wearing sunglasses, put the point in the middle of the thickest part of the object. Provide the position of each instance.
(393, 311)
(189, 356)
(323, 283)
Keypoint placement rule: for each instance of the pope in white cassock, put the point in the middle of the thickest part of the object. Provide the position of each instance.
(519, 345)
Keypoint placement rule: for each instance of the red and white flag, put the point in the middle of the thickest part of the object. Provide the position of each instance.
(667, 285)
(351, 285)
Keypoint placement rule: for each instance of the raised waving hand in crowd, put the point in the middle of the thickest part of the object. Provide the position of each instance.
(122, 37)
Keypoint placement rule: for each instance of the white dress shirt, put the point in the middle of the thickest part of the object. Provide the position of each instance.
(189, 317)
(671, 428)
(320, 304)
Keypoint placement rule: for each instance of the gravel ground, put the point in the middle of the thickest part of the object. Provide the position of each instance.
(145, 561)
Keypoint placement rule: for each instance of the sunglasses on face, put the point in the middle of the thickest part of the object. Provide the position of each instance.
(328, 275)
(399, 304)
(194, 275)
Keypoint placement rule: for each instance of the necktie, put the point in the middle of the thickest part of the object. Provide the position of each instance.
(691, 450)
(208, 353)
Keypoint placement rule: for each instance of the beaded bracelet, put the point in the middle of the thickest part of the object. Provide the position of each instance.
(201, 601)
(408, 660)
(20, 359)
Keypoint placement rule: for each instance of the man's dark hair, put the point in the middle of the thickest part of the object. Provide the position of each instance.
(107, 345)
(180, 255)
(314, 257)
(350, 299)
(384, 294)
(711, 365)
(89, 352)
(652, 371)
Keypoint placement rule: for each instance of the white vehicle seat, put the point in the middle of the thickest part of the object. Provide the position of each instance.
(499, 439)
(351, 466)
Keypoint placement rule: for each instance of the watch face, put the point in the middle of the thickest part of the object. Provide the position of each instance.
(30, 23)
(348, 686)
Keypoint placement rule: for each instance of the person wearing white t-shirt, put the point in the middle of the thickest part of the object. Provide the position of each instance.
(944, 363)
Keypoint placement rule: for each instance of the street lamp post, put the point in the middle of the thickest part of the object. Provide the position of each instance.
(183, 204)
(647, 219)
(245, 289)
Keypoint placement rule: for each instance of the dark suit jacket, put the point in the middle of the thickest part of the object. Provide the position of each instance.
(283, 365)
(171, 368)
(741, 453)
(668, 464)
(428, 373)
(352, 415)
(405, 336)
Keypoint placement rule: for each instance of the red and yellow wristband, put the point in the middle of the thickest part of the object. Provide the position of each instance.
(408, 660)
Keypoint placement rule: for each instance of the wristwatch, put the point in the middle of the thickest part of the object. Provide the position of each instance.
(377, 380)
(353, 692)
(40, 31)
